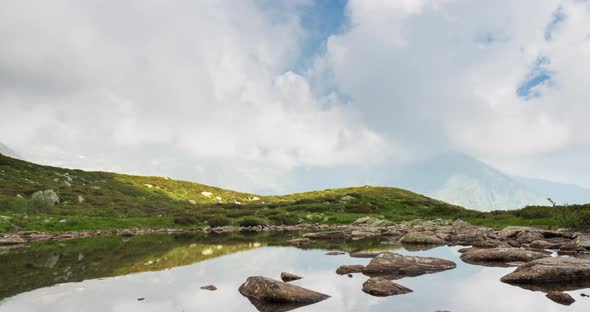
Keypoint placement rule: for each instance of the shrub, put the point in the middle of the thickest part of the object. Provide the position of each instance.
(573, 217)
(360, 208)
(251, 221)
(283, 220)
(217, 221)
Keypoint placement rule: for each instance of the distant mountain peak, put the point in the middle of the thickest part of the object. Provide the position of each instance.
(6, 151)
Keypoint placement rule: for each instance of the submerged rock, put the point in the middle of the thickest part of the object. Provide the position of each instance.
(335, 253)
(381, 287)
(209, 287)
(333, 235)
(288, 277)
(560, 297)
(421, 239)
(273, 291)
(350, 268)
(388, 263)
(501, 255)
(552, 270)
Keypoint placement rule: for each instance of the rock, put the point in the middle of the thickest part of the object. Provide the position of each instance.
(81, 199)
(543, 244)
(388, 263)
(299, 241)
(126, 233)
(501, 255)
(209, 287)
(584, 295)
(48, 196)
(347, 198)
(560, 297)
(421, 239)
(192, 201)
(528, 237)
(381, 287)
(11, 240)
(362, 254)
(333, 235)
(515, 231)
(373, 222)
(140, 299)
(356, 235)
(206, 194)
(552, 270)
(349, 275)
(350, 268)
(269, 290)
(288, 277)
(335, 253)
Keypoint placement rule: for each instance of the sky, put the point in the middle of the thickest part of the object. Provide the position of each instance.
(249, 94)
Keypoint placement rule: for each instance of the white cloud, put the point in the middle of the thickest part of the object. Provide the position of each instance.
(120, 82)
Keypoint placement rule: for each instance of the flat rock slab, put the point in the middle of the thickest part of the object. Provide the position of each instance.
(347, 269)
(421, 239)
(388, 263)
(381, 287)
(288, 277)
(553, 270)
(268, 290)
(363, 254)
(560, 297)
(501, 255)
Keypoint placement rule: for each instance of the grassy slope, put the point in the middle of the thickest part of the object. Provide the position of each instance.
(119, 201)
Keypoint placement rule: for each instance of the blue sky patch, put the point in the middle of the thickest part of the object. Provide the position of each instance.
(558, 18)
(538, 77)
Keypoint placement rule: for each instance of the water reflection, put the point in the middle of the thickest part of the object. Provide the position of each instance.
(466, 288)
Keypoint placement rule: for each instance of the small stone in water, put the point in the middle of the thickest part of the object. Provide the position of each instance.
(140, 299)
(334, 253)
(584, 295)
(209, 287)
(349, 275)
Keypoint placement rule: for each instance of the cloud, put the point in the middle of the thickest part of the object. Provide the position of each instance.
(127, 84)
(481, 78)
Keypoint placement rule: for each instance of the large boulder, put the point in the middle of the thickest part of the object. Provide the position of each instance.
(381, 287)
(48, 197)
(421, 239)
(269, 290)
(396, 265)
(501, 255)
(552, 270)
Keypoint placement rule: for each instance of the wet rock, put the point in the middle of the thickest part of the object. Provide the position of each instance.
(584, 295)
(363, 254)
(560, 297)
(501, 255)
(388, 263)
(544, 244)
(350, 268)
(273, 291)
(421, 239)
(209, 287)
(335, 253)
(288, 277)
(373, 222)
(552, 270)
(349, 275)
(332, 235)
(381, 287)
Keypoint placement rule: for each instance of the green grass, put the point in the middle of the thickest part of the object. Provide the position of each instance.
(115, 201)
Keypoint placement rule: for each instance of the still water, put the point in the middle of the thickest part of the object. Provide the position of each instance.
(165, 273)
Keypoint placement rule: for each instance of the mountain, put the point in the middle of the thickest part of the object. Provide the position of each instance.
(6, 151)
(563, 194)
(465, 181)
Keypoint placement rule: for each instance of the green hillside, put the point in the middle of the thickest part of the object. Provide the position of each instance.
(102, 200)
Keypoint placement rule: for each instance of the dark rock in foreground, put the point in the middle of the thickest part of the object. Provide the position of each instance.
(561, 298)
(381, 287)
(554, 270)
(272, 291)
(347, 269)
(209, 287)
(501, 255)
(393, 264)
(288, 277)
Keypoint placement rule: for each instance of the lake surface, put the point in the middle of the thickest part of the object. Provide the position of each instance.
(167, 271)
